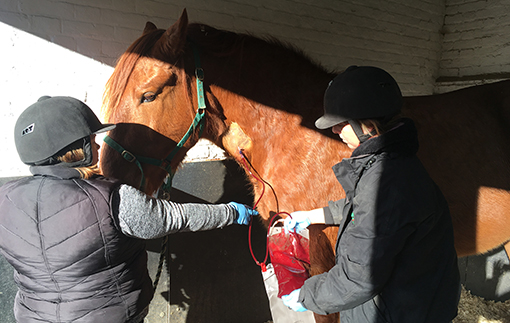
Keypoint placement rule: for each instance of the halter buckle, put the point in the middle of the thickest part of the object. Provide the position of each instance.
(165, 164)
(128, 156)
(199, 73)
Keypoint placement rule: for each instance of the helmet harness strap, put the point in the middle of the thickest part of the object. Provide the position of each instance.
(356, 126)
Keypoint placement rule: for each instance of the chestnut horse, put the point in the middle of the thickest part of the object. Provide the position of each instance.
(262, 98)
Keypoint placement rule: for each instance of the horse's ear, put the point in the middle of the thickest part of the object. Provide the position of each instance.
(149, 26)
(174, 39)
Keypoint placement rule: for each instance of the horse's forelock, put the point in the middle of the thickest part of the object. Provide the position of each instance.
(116, 85)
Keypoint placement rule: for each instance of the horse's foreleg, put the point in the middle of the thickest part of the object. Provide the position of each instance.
(322, 258)
(331, 318)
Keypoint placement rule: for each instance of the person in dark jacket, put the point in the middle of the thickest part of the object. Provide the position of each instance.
(75, 238)
(395, 255)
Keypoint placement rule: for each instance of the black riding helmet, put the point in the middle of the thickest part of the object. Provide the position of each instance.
(54, 125)
(360, 92)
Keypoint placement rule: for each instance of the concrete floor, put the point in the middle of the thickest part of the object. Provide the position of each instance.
(213, 277)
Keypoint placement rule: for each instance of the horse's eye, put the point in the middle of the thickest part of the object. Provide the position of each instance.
(148, 97)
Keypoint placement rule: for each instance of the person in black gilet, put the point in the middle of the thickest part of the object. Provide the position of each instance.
(74, 237)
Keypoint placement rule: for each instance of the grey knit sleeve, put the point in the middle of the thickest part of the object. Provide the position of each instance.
(145, 217)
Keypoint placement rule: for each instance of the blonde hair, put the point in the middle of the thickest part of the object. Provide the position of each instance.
(381, 127)
(76, 155)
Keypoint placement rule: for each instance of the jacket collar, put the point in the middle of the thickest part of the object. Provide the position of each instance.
(58, 171)
(402, 140)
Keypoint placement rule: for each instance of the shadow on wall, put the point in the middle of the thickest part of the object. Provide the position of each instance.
(213, 277)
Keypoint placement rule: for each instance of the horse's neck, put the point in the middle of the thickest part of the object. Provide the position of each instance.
(268, 110)
(272, 120)
(267, 90)
(269, 74)
(283, 150)
(248, 88)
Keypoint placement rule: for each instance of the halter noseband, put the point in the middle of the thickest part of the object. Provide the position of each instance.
(165, 163)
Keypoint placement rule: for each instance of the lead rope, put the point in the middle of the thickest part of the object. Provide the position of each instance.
(161, 262)
(164, 243)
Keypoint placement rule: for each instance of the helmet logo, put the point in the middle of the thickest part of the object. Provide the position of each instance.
(28, 130)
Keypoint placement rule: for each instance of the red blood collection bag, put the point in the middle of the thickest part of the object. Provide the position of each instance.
(290, 258)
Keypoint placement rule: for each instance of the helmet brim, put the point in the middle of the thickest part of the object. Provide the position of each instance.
(104, 128)
(328, 121)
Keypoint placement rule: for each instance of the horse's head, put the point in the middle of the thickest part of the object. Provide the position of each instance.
(151, 93)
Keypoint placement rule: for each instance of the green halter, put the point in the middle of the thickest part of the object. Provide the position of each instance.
(165, 163)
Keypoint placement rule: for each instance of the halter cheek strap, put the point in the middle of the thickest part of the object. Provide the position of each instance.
(362, 137)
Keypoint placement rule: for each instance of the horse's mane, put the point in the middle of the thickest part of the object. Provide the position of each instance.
(251, 66)
(221, 43)
(218, 43)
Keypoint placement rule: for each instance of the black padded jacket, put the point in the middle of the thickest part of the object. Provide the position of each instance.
(395, 255)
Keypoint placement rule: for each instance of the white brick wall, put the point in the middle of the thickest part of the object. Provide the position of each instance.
(32, 67)
(403, 36)
(475, 41)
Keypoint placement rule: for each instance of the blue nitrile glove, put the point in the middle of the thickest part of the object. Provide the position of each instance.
(297, 221)
(244, 213)
(291, 301)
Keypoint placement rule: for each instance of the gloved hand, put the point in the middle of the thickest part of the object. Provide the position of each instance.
(297, 221)
(244, 213)
(291, 301)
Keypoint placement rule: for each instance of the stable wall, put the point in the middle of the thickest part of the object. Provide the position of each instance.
(401, 36)
(69, 47)
(475, 43)
(475, 47)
